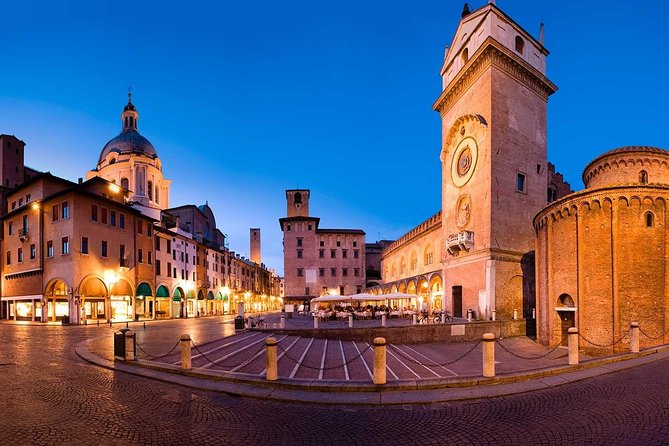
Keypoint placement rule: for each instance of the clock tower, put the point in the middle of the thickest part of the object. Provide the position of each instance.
(494, 165)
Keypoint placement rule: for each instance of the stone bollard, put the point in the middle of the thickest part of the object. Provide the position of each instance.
(129, 346)
(572, 341)
(383, 320)
(283, 322)
(272, 373)
(443, 317)
(350, 320)
(185, 352)
(379, 361)
(414, 319)
(315, 321)
(515, 314)
(634, 337)
(488, 355)
(494, 315)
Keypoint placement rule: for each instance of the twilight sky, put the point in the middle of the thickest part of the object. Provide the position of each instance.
(243, 100)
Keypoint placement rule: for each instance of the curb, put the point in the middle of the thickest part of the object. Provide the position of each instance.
(429, 390)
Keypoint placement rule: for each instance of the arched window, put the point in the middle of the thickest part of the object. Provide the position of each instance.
(403, 266)
(465, 56)
(124, 183)
(649, 219)
(643, 177)
(157, 201)
(552, 193)
(149, 188)
(112, 161)
(298, 198)
(414, 261)
(520, 44)
(428, 256)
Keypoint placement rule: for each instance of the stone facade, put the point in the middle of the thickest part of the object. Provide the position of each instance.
(601, 253)
(319, 261)
(495, 174)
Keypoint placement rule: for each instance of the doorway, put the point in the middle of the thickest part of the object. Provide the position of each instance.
(457, 301)
(567, 320)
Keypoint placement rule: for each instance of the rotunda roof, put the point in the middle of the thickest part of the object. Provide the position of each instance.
(128, 141)
(622, 174)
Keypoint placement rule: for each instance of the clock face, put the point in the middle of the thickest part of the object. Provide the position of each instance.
(464, 161)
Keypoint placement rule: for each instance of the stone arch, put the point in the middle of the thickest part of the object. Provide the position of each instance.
(566, 301)
(476, 119)
(93, 286)
(56, 287)
(411, 286)
(436, 283)
(122, 287)
(393, 289)
(402, 287)
(422, 287)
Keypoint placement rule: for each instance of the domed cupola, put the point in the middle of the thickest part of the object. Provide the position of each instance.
(132, 162)
(129, 140)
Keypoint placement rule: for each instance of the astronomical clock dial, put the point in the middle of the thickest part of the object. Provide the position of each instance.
(464, 161)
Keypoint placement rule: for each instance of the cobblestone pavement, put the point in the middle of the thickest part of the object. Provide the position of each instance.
(50, 396)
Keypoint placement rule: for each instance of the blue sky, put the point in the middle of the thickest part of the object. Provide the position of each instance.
(243, 100)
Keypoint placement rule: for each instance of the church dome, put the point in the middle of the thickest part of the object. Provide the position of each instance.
(129, 141)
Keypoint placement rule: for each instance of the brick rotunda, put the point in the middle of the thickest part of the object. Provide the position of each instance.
(602, 254)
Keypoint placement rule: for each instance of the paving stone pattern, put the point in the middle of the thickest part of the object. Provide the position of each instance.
(50, 396)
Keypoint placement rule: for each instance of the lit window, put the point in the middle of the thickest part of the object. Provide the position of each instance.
(49, 248)
(65, 245)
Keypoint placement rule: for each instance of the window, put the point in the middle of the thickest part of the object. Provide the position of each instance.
(103, 215)
(309, 227)
(121, 255)
(643, 177)
(94, 212)
(321, 253)
(300, 272)
(149, 233)
(13, 205)
(356, 253)
(33, 252)
(84, 245)
(341, 290)
(140, 256)
(322, 243)
(49, 248)
(552, 193)
(103, 249)
(55, 212)
(298, 198)
(520, 182)
(520, 44)
(156, 194)
(139, 226)
(333, 253)
(65, 207)
(121, 221)
(20, 202)
(169, 246)
(112, 218)
(149, 189)
(649, 219)
(338, 243)
(9, 258)
(124, 183)
(65, 245)
(149, 257)
(356, 272)
(299, 241)
(169, 267)
(10, 228)
(321, 272)
(333, 272)
(19, 255)
(344, 272)
(465, 56)
(28, 198)
(299, 253)
(306, 291)
(344, 253)
(287, 227)
(24, 221)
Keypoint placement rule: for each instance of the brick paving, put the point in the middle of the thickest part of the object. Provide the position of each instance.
(50, 396)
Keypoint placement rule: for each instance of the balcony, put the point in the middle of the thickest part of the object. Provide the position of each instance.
(23, 234)
(461, 241)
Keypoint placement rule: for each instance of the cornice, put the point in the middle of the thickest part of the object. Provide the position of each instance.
(494, 53)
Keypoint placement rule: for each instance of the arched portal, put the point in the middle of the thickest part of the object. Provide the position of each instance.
(56, 296)
(436, 294)
(144, 301)
(94, 298)
(566, 310)
(178, 302)
(120, 301)
(163, 302)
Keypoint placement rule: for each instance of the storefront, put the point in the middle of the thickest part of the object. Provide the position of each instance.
(23, 308)
(121, 308)
(94, 308)
(191, 304)
(163, 303)
(144, 301)
(211, 304)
